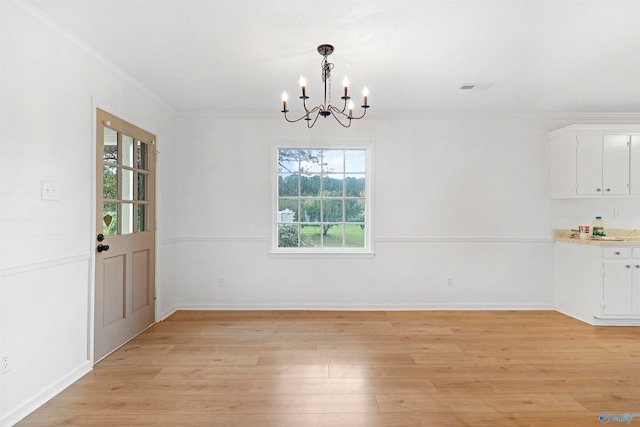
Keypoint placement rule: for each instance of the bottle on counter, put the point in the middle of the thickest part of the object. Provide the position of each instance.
(598, 227)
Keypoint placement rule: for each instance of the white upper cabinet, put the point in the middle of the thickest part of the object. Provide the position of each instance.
(595, 161)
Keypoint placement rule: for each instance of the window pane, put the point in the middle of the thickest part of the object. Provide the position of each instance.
(311, 161)
(310, 210)
(310, 236)
(333, 161)
(355, 185)
(142, 186)
(354, 210)
(127, 218)
(333, 236)
(127, 184)
(354, 235)
(332, 185)
(287, 236)
(141, 218)
(127, 150)
(288, 161)
(332, 210)
(110, 182)
(355, 161)
(287, 184)
(109, 219)
(287, 210)
(142, 155)
(310, 185)
(110, 153)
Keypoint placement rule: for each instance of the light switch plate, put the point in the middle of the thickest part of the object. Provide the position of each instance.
(50, 190)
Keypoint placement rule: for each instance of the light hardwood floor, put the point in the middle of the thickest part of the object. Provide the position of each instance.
(329, 368)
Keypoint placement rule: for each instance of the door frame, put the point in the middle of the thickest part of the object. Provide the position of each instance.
(131, 117)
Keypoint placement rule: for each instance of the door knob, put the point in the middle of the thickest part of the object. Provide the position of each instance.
(100, 237)
(103, 248)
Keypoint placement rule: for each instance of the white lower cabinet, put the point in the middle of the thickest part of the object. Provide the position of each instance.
(599, 285)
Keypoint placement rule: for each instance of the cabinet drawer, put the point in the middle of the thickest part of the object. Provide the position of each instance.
(610, 253)
(636, 252)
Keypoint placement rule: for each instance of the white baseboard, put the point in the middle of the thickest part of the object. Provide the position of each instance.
(41, 398)
(367, 307)
(168, 312)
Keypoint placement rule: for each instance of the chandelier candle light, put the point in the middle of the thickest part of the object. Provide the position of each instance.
(326, 109)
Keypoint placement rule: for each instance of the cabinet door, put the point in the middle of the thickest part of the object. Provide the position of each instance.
(618, 292)
(615, 165)
(589, 164)
(635, 285)
(635, 165)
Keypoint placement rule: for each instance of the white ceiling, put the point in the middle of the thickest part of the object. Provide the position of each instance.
(548, 56)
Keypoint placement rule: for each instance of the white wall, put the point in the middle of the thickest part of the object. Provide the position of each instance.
(465, 197)
(460, 196)
(50, 86)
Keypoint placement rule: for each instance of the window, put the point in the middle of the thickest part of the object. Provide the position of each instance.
(322, 201)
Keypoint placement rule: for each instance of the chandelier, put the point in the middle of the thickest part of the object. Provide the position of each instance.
(343, 115)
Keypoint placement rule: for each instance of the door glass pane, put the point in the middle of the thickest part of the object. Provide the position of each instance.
(128, 221)
(127, 150)
(141, 218)
(142, 155)
(127, 185)
(142, 186)
(110, 152)
(110, 182)
(110, 219)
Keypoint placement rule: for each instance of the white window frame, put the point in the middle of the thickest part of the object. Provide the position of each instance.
(367, 250)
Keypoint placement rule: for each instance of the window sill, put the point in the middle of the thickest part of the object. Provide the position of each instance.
(321, 255)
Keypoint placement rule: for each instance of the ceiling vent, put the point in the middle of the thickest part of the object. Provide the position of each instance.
(475, 86)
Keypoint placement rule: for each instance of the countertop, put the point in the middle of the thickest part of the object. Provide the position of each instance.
(614, 237)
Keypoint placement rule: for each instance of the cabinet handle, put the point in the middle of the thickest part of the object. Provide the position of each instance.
(637, 266)
(608, 189)
(618, 253)
(598, 189)
(628, 266)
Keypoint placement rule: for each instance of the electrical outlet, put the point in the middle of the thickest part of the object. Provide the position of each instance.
(221, 281)
(50, 190)
(449, 281)
(4, 364)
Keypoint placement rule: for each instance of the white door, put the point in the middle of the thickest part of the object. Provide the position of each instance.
(589, 164)
(634, 173)
(125, 241)
(615, 165)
